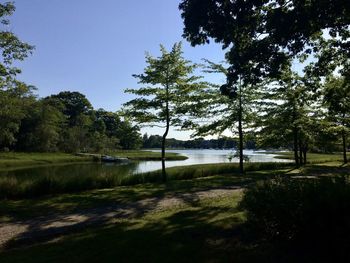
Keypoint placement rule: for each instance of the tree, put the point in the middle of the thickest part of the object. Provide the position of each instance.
(14, 101)
(337, 101)
(126, 135)
(75, 105)
(288, 118)
(12, 91)
(262, 36)
(229, 108)
(166, 97)
(11, 47)
(40, 129)
(79, 117)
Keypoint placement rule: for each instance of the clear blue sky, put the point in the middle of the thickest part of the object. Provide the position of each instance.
(95, 46)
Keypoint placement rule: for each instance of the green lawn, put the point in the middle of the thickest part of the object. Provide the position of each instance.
(182, 234)
(27, 208)
(312, 157)
(211, 230)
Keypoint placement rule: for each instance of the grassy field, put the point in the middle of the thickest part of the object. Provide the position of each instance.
(26, 208)
(211, 230)
(182, 234)
(312, 158)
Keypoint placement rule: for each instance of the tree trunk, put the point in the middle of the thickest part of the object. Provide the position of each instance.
(295, 138)
(301, 153)
(345, 159)
(240, 131)
(165, 135)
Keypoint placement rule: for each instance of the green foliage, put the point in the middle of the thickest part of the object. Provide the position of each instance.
(216, 113)
(63, 122)
(168, 98)
(337, 101)
(75, 106)
(14, 95)
(11, 47)
(15, 102)
(314, 213)
(288, 115)
(261, 36)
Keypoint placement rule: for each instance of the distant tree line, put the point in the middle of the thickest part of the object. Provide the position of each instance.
(63, 122)
(155, 141)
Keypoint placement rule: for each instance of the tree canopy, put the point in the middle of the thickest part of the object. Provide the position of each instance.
(263, 35)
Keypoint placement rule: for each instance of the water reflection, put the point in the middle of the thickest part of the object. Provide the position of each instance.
(116, 170)
(207, 156)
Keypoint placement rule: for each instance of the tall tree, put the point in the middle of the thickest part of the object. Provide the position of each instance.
(12, 91)
(74, 104)
(165, 99)
(337, 101)
(230, 108)
(288, 118)
(15, 101)
(40, 129)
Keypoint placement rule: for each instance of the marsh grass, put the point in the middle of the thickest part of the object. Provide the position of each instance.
(17, 160)
(148, 155)
(57, 179)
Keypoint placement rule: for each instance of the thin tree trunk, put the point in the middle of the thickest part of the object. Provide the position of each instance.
(345, 159)
(300, 153)
(165, 135)
(240, 131)
(295, 138)
(304, 152)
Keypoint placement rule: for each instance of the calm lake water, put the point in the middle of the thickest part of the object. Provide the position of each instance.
(111, 169)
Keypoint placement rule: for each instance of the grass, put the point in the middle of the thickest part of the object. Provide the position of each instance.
(26, 208)
(13, 160)
(69, 179)
(312, 158)
(211, 230)
(56, 180)
(198, 178)
(148, 155)
(182, 234)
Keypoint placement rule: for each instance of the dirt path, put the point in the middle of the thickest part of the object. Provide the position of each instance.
(46, 228)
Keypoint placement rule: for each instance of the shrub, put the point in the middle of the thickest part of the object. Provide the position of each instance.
(307, 212)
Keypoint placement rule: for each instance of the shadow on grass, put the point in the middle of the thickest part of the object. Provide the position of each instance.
(47, 227)
(210, 234)
(320, 170)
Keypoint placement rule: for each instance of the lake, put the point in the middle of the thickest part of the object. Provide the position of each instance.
(203, 156)
(108, 169)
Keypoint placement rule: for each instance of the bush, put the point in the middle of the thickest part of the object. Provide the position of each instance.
(305, 212)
